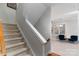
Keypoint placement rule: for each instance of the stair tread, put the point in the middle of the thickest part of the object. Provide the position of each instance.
(11, 34)
(26, 54)
(10, 30)
(13, 45)
(9, 24)
(17, 52)
(13, 39)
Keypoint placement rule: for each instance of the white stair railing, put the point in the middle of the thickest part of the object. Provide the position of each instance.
(35, 40)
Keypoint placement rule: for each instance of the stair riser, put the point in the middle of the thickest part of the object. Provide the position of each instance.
(9, 26)
(17, 52)
(20, 53)
(10, 29)
(11, 32)
(7, 30)
(13, 42)
(12, 39)
(24, 53)
(15, 48)
(13, 25)
(11, 36)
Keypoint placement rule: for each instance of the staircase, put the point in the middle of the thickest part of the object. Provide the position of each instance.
(15, 44)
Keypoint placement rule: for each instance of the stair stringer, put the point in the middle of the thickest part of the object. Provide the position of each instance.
(26, 41)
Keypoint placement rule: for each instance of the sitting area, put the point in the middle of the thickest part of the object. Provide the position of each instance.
(73, 38)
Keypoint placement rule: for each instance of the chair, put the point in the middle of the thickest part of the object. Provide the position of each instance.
(73, 38)
(61, 37)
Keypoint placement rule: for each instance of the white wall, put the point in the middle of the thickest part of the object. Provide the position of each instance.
(41, 17)
(7, 15)
(71, 22)
(33, 11)
(38, 15)
(78, 26)
(43, 25)
(71, 26)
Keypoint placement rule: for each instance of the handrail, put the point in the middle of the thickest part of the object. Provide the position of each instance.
(2, 42)
(43, 40)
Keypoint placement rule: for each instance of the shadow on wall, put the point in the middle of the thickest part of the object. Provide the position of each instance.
(43, 24)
